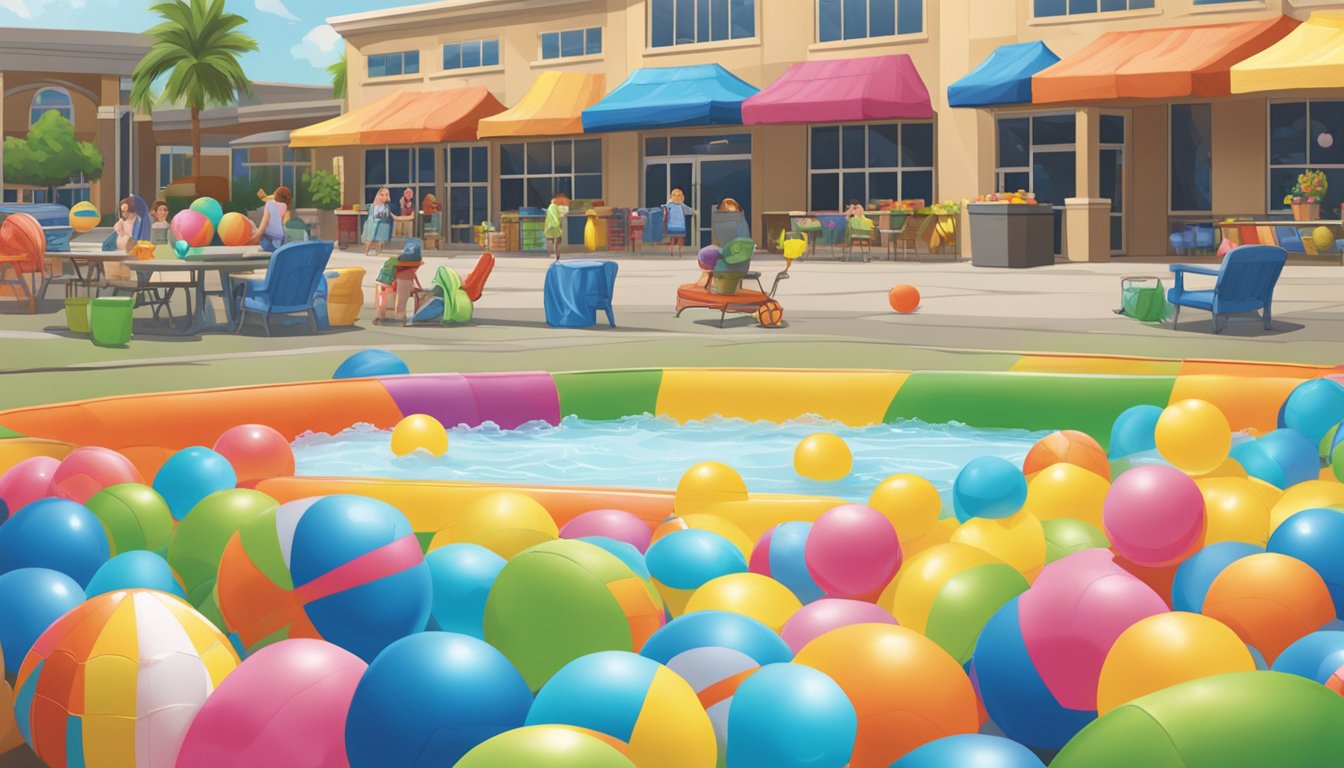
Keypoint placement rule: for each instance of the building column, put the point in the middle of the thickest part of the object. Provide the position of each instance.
(103, 192)
(966, 144)
(2, 132)
(1087, 217)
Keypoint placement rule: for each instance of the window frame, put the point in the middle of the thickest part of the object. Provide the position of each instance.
(870, 38)
(368, 61)
(421, 186)
(481, 42)
(754, 14)
(867, 169)
(1276, 206)
(66, 110)
(173, 151)
(573, 174)
(560, 55)
(1099, 13)
(288, 160)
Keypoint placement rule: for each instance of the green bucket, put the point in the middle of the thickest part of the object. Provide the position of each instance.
(77, 314)
(110, 320)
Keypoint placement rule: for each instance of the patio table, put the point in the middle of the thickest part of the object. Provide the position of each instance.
(196, 271)
(94, 272)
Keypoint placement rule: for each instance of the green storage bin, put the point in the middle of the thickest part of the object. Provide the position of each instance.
(77, 314)
(110, 320)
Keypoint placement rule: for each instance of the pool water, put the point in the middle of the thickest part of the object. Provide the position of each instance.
(653, 452)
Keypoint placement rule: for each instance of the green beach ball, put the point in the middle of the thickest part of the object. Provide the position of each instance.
(135, 516)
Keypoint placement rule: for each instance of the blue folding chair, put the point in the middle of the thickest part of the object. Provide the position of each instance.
(1245, 283)
(290, 285)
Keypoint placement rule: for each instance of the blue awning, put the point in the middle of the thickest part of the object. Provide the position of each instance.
(671, 97)
(1003, 78)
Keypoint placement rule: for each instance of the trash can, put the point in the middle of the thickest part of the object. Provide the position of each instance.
(110, 320)
(77, 314)
(1013, 236)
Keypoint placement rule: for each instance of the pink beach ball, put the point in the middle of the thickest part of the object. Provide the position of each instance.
(852, 551)
(89, 470)
(816, 619)
(26, 482)
(612, 523)
(1154, 515)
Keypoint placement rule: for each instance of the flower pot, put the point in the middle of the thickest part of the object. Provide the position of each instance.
(1306, 211)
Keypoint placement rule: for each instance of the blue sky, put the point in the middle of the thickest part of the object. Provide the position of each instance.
(296, 44)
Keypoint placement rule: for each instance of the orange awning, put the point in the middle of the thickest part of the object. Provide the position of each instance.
(1174, 62)
(553, 106)
(405, 117)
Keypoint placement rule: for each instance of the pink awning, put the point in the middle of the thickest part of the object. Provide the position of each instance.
(843, 91)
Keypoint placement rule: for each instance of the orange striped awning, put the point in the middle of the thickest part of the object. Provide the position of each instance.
(405, 117)
(1172, 62)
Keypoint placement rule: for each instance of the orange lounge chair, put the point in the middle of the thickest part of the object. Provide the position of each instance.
(474, 285)
(742, 301)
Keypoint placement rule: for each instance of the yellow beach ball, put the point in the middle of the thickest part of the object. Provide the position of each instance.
(1164, 650)
(748, 594)
(505, 523)
(84, 216)
(822, 457)
(910, 502)
(706, 484)
(1194, 436)
(1323, 238)
(418, 431)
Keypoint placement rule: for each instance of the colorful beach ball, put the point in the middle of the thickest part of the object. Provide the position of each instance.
(235, 229)
(84, 216)
(715, 651)
(634, 700)
(117, 681)
(564, 599)
(193, 228)
(210, 208)
(346, 569)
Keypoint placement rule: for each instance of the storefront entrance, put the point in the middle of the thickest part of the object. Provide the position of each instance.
(707, 169)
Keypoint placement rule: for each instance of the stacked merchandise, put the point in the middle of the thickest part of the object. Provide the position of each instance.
(618, 229)
(532, 230)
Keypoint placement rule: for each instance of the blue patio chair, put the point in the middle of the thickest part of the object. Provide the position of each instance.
(1245, 283)
(290, 285)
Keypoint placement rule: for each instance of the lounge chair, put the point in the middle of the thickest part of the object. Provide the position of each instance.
(289, 285)
(1245, 283)
(452, 299)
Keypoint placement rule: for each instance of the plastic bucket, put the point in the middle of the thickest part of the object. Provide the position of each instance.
(110, 320)
(77, 314)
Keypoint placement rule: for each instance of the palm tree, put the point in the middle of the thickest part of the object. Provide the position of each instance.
(197, 47)
(337, 72)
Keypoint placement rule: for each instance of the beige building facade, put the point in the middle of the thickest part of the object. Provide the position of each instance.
(1102, 150)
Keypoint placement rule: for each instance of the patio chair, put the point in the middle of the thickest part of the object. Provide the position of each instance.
(913, 233)
(289, 285)
(1245, 283)
(859, 234)
(705, 292)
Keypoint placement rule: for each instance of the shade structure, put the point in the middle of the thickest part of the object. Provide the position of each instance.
(1171, 62)
(553, 106)
(671, 97)
(1311, 56)
(405, 117)
(843, 91)
(1003, 78)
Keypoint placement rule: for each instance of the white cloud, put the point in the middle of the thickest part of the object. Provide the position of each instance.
(277, 8)
(31, 9)
(320, 47)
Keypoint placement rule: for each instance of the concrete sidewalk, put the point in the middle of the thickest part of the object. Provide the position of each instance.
(836, 316)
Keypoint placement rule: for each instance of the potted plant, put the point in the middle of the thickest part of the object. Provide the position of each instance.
(324, 189)
(1305, 198)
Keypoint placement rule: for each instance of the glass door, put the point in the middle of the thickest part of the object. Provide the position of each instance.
(468, 204)
(1112, 170)
(720, 179)
(705, 168)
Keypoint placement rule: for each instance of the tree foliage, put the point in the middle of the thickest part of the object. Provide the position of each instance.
(337, 72)
(50, 156)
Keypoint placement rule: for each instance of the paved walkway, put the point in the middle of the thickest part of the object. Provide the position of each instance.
(836, 316)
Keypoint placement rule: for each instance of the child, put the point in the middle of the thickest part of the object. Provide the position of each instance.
(160, 232)
(398, 276)
(555, 223)
(378, 228)
(676, 218)
(405, 222)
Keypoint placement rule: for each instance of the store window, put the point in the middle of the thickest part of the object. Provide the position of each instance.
(1191, 157)
(866, 162)
(1048, 8)
(1306, 135)
(51, 100)
(390, 64)
(859, 19)
(175, 162)
(531, 174)
(267, 167)
(398, 168)
(687, 22)
(471, 54)
(571, 43)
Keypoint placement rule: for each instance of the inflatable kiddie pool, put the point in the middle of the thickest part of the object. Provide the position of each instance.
(1035, 392)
